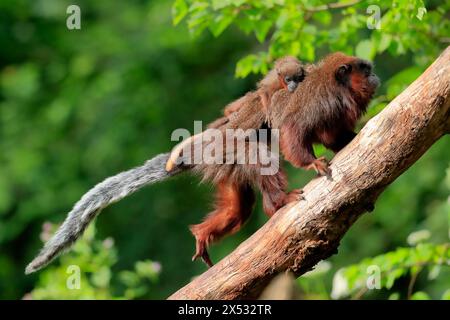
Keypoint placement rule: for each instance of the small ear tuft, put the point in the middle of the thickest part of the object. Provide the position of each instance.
(342, 73)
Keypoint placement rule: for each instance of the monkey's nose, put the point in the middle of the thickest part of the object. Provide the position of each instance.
(374, 81)
(292, 86)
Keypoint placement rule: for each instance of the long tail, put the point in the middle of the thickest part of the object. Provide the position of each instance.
(89, 206)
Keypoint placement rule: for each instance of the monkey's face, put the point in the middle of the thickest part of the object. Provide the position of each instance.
(357, 75)
(292, 80)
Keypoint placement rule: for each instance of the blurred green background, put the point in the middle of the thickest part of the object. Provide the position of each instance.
(77, 106)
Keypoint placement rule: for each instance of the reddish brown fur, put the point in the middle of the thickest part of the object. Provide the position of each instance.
(233, 206)
(323, 109)
(256, 101)
(275, 80)
(272, 82)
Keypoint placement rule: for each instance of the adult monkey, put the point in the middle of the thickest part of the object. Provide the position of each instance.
(346, 85)
(324, 108)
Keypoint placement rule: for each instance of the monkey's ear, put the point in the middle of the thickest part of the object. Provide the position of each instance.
(342, 73)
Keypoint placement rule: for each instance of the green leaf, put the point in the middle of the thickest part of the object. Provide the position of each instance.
(198, 22)
(417, 237)
(384, 42)
(324, 17)
(198, 6)
(129, 278)
(421, 12)
(146, 269)
(245, 24)
(245, 65)
(252, 64)
(341, 286)
(446, 295)
(401, 80)
(420, 295)
(365, 50)
(220, 4)
(261, 28)
(238, 3)
(434, 271)
(179, 11)
(394, 296)
(220, 23)
(102, 277)
(319, 149)
(307, 51)
(394, 275)
(270, 3)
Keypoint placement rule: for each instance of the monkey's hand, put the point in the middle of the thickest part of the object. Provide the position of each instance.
(294, 195)
(320, 165)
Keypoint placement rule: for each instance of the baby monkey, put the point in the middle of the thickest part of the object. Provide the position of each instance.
(287, 73)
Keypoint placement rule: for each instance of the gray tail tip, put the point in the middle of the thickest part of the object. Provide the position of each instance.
(34, 266)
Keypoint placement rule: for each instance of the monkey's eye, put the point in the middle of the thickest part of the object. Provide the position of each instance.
(299, 77)
(345, 68)
(287, 79)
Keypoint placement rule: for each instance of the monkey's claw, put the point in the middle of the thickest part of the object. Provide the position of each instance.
(294, 195)
(202, 252)
(320, 165)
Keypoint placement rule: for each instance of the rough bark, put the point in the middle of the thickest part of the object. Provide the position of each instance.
(303, 233)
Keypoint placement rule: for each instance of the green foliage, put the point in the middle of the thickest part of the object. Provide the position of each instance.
(93, 260)
(304, 28)
(392, 266)
(78, 106)
(312, 284)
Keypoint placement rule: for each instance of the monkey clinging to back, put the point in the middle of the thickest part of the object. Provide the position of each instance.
(324, 108)
(286, 74)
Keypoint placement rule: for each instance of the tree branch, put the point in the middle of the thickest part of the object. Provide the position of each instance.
(303, 233)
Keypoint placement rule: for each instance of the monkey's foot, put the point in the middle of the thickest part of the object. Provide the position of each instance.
(202, 252)
(294, 195)
(320, 165)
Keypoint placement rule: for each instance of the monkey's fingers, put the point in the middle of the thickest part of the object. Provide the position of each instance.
(325, 172)
(322, 170)
(206, 259)
(320, 165)
(202, 252)
(294, 195)
(326, 169)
